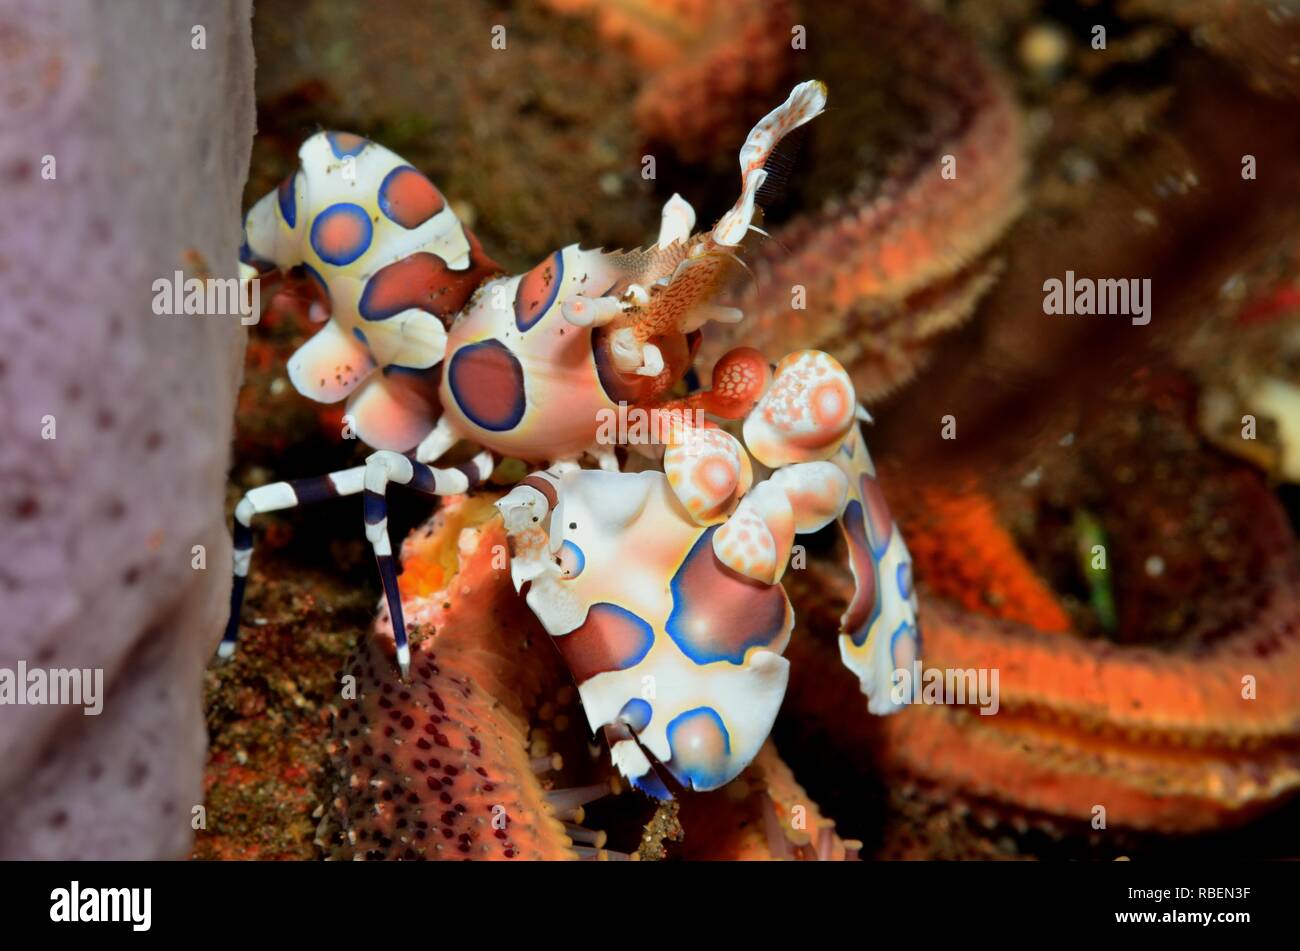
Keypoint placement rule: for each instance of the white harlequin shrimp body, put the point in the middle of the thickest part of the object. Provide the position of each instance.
(663, 594)
(673, 653)
(808, 416)
(391, 261)
(430, 344)
(522, 379)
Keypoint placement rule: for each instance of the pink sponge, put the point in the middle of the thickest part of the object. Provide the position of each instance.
(123, 152)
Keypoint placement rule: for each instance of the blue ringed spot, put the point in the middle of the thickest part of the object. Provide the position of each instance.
(537, 291)
(487, 383)
(701, 747)
(341, 233)
(407, 198)
(611, 638)
(719, 614)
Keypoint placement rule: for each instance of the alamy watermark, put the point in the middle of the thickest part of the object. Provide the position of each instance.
(209, 297)
(55, 686)
(77, 904)
(1086, 296)
(957, 686)
(635, 426)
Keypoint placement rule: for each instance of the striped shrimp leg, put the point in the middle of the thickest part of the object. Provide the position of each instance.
(276, 497)
(384, 468)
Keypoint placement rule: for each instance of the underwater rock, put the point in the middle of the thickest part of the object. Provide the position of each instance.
(122, 166)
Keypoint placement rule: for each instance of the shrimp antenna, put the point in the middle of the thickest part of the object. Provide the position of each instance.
(750, 271)
(771, 237)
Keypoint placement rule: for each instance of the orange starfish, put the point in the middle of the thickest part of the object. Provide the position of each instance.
(959, 546)
(1164, 741)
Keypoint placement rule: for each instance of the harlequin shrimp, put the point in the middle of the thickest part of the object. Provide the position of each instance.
(662, 589)
(432, 344)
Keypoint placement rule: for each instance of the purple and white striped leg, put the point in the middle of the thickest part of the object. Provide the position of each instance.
(274, 498)
(384, 468)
